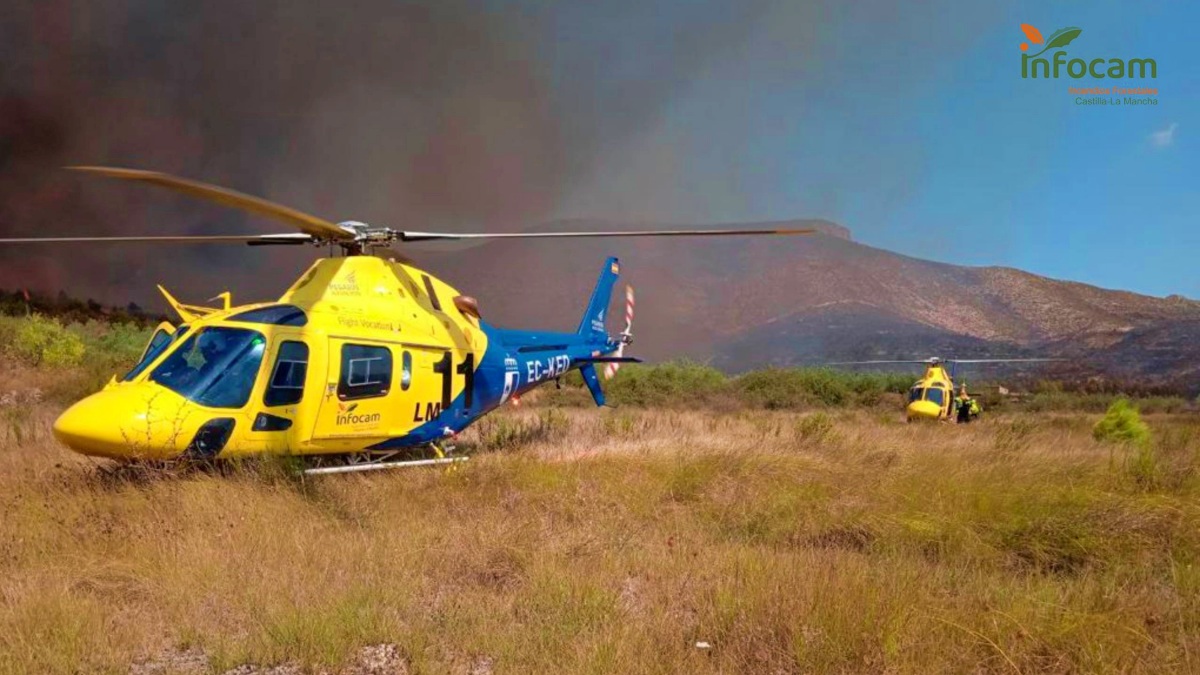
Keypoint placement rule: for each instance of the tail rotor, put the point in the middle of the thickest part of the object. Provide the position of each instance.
(626, 336)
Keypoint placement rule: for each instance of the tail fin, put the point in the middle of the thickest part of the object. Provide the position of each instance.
(593, 383)
(592, 324)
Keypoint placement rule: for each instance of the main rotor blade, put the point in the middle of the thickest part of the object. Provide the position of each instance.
(254, 239)
(309, 224)
(1000, 360)
(869, 363)
(930, 361)
(453, 236)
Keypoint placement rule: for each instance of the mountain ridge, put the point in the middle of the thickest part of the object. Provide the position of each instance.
(747, 303)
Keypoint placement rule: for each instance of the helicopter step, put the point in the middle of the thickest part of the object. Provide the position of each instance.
(392, 460)
(382, 464)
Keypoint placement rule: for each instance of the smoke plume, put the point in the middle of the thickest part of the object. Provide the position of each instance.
(420, 115)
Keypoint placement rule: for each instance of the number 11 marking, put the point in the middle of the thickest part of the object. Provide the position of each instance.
(466, 369)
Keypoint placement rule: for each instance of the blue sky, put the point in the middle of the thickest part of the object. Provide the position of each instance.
(912, 127)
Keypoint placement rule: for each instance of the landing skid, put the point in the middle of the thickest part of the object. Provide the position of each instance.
(374, 462)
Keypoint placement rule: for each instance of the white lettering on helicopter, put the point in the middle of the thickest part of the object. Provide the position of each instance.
(354, 322)
(553, 367)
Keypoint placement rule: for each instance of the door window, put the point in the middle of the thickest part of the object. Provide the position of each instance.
(366, 372)
(286, 386)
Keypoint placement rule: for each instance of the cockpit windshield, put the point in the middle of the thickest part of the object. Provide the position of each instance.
(936, 395)
(158, 344)
(215, 367)
(915, 394)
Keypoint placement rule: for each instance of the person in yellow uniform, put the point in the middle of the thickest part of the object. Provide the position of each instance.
(965, 407)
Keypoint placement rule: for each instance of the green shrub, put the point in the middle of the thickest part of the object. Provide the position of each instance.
(39, 341)
(791, 388)
(116, 343)
(675, 383)
(780, 389)
(1060, 401)
(1122, 424)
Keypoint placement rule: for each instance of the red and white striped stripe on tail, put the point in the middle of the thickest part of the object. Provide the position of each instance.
(626, 335)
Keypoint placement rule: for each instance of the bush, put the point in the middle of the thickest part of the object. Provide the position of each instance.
(1122, 424)
(673, 383)
(780, 389)
(116, 343)
(791, 388)
(39, 341)
(1061, 401)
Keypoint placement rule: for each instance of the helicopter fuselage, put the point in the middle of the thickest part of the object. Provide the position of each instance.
(932, 396)
(360, 354)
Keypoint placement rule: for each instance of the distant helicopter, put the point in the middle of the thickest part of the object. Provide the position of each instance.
(359, 360)
(932, 396)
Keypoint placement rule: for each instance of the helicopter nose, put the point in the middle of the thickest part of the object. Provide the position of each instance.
(116, 423)
(924, 410)
(85, 428)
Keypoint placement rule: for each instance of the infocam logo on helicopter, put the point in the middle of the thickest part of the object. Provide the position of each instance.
(346, 415)
(1057, 63)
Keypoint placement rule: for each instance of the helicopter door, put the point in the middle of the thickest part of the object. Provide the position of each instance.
(286, 382)
(358, 400)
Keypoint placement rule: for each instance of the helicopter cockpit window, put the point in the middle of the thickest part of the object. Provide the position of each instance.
(935, 395)
(286, 386)
(366, 372)
(915, 394)
(278, 315)
(158, 344)
(215, 367)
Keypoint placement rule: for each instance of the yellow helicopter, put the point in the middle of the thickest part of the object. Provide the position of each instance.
(360, 359)
(932, 396)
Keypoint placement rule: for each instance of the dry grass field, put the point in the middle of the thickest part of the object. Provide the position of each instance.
(610, 541)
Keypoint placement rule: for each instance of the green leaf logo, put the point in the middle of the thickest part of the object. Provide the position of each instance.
(1063, 37)
(1059, 38)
